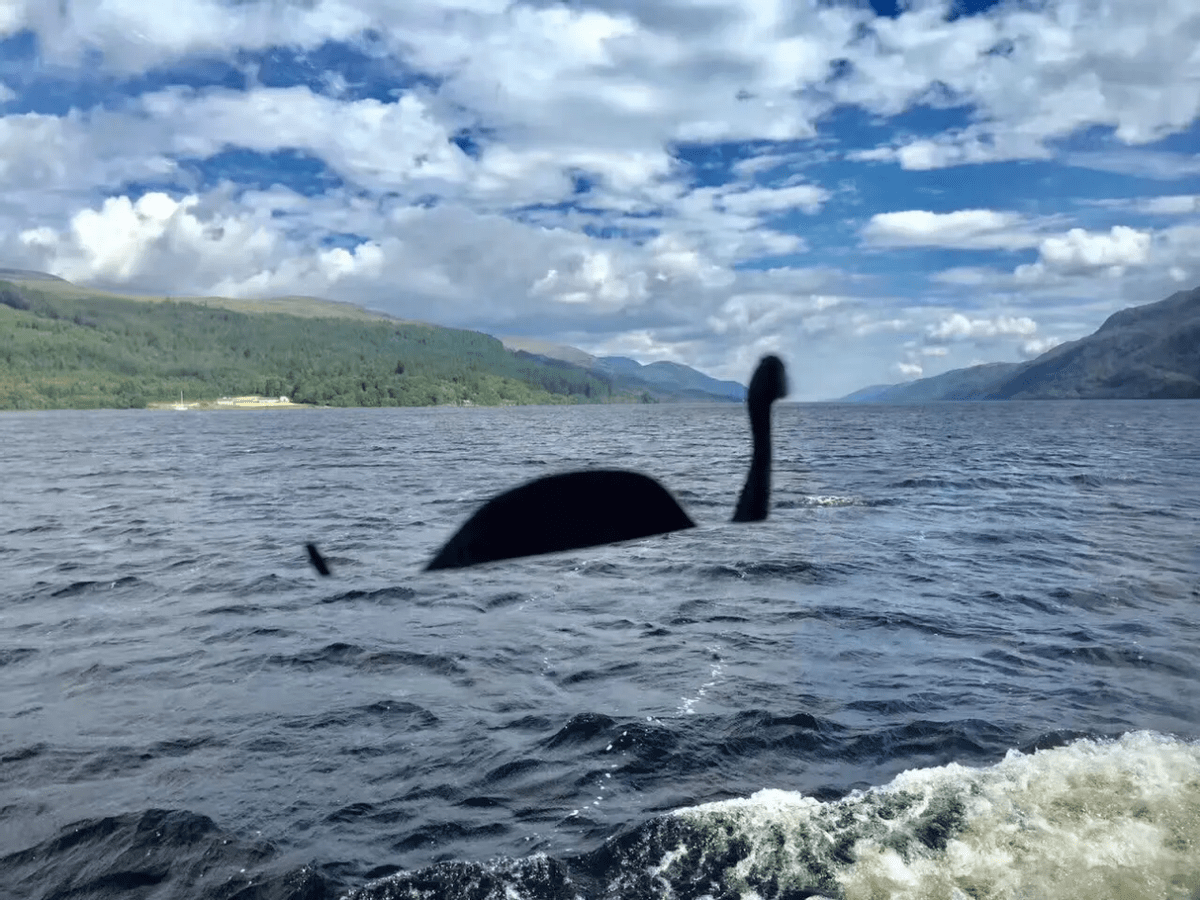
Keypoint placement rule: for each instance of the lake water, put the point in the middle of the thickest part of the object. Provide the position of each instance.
(959, 660)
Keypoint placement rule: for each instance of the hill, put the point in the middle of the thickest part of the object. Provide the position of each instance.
(305, 307)
(1140, 353)
(1143, 352)
(63, 346)
(659, 380)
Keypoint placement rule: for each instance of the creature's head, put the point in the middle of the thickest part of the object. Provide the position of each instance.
(768, 384)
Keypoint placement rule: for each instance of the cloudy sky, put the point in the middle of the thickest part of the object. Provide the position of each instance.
(877, 192)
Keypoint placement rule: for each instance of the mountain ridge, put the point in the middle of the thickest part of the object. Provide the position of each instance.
(1145, 352)
(674, 379)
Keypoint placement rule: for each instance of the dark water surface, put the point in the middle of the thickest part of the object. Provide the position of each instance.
(960, 660)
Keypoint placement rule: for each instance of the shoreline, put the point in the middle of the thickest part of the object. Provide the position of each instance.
(207, 405)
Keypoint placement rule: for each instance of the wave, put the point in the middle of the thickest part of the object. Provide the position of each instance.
(1093, 818)
(360, 659)
(159, 853)
(87, 587)
(827, 500)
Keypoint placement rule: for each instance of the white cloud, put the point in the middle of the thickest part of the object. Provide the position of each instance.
(636, 344)
(447, 263)
(374, 144)
(149, 243)
(963, 229)
(1178, 249)
(133, 36)
(73, 153)
(968, 146)
(674, 259)
(593, 279)
(1032, 74)
(730, 69)
(13, 16)
(910, 370)
(764, 312)
(125, 241)
(865, 324)
(761, 201)
(957, 326)
(1159, 164)
(1038, 346)
(964, 275)
(1080, 251)
(1172, 205)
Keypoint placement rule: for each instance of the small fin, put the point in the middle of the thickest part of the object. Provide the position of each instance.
(317, 560)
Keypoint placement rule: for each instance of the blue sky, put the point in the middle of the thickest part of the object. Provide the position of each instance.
(875, 191)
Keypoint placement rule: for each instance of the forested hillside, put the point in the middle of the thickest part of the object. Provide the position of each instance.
(100, 351)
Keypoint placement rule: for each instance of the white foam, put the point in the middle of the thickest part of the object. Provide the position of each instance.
(1093, 819)
(832, 500)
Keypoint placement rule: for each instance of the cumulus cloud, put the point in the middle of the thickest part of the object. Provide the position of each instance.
(962, 229)
(593, 279)
(14, 15)
(761, 201)
(969, 146)
(657, 71)
(956, 327)
(1179, 248)
(74, 153)
(1080, 251)
(447, 262)
(127, 242)
(764, 312)
(131, 36)
(378, 145)
(1031, 74)
(942, 341)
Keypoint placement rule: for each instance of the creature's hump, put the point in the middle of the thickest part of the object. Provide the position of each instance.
(564, 512)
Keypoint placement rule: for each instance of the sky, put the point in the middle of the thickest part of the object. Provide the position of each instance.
(875, 191)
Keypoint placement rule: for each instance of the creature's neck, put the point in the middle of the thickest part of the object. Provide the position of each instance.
(756, 493)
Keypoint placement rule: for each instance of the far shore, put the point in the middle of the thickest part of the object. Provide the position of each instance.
(247, 402)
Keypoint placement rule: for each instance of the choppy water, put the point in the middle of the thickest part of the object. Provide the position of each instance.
(960, 660)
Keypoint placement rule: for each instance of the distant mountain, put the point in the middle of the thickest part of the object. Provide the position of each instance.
(1143, 352)
(27, 275)
(661, 380)
(1140, 353)
(958, 384)
(674, 379)
(573, 355)
(871, 394)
